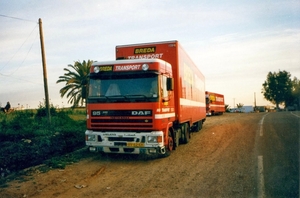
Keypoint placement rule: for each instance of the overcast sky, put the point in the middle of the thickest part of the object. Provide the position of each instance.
(234, 43)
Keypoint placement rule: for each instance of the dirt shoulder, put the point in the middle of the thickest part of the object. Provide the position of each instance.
(219, 161)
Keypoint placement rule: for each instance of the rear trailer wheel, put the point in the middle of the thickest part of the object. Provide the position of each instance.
(199, 125)
(186, 133)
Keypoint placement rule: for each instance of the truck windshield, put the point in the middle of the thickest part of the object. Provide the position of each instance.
(124, 88)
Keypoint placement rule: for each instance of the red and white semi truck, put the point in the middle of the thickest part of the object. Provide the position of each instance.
(148, 101)
(215, 103)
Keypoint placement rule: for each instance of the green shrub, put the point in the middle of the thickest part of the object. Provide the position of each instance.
(42, 111)
(18, 125)
(27, 138)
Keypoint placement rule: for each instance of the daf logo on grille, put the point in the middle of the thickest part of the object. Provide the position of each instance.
(140, 112)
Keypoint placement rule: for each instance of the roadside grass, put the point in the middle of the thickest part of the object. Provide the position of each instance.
(28, 140)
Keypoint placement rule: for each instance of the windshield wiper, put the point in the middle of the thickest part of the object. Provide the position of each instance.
(101, 96)
(136, 96)
(119, 98)
(115, 97)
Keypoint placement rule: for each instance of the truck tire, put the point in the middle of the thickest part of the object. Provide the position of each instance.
(186, 133)
(199, 125)
(169, 148)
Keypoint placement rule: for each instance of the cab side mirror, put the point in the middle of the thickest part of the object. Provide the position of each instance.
(170, 84)
(83, 92)
(83, 88)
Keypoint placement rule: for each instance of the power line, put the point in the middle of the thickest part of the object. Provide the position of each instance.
(9, 75)
(19, 49)
(2, 15)
(21, 79)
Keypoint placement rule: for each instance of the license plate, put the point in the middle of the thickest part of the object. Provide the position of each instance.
(135, 144)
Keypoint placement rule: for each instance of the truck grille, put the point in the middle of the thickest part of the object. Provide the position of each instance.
(122, 119)
(121, 123)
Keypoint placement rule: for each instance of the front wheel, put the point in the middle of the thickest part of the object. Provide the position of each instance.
(169, 147)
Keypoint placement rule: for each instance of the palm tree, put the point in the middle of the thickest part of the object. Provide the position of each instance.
(75, 81)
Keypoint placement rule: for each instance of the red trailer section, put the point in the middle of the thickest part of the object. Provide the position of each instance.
(147, 101)
(215, 103)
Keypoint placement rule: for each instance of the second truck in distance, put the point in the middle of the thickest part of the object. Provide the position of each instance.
(215, 104)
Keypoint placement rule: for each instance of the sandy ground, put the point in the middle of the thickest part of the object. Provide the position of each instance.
(219, 161)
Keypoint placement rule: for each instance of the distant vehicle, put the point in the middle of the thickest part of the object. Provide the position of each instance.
(244, 109)
(146, 102)
(235, 110)
(260, 109)
(215, 104)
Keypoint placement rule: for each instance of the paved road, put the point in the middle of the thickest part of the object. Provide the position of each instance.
(278, 155)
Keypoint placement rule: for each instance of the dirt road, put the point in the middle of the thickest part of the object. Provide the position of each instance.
(219, 161)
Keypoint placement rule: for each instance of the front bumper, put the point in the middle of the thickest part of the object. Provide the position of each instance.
(126, 142)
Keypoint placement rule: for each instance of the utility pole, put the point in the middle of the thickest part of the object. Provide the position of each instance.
(44, 70)
(254, 100)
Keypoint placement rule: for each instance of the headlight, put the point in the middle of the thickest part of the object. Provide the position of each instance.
(96, 69)
(145, 67)
(154, 139)
(90, 138)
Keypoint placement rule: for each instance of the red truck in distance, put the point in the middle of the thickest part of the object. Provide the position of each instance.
(215, 103)
(148, 101)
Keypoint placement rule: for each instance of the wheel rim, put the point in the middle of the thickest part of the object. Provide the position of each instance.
(170, 143)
